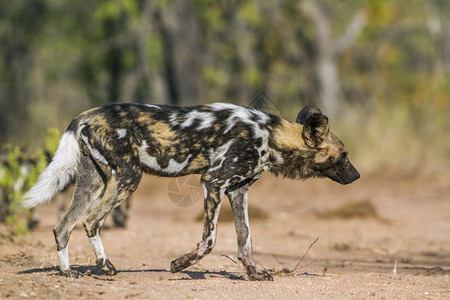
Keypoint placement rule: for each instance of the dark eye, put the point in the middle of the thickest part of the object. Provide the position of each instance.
(344, 155)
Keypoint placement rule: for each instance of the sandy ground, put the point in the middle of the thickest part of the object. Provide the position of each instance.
(353, 258)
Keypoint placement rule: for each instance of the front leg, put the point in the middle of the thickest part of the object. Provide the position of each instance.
(213, 202)
(239, 206)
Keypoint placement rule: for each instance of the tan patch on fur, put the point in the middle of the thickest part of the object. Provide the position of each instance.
(100, 121)
(331, 147)
(215, 198)
(209, 213)
(207, 177)
(289, 135)
(243, 134)
(123, 114)
(198, 163)
(163, 133)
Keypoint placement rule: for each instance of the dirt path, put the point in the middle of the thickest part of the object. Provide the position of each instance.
(408, 222)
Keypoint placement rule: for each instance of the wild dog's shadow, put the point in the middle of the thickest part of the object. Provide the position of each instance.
(83, 270)
(193, 275)
(96, 273)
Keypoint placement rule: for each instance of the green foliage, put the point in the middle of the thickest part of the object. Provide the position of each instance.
(18, 173)
(12, 180)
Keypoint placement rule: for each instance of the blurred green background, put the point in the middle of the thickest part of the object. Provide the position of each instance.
(379, 69)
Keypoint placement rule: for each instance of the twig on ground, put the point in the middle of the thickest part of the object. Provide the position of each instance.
(298, 264)
(230, 259)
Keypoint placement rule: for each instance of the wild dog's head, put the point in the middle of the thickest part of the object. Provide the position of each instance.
(330, 155)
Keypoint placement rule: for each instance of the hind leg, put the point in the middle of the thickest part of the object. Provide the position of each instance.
(120, 213)
(89, 186)
(118, 188)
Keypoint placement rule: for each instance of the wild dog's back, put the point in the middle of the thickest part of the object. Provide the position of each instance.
(176, 140)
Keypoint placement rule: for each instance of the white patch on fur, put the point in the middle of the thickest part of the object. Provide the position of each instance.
(219, 154)
(245, 115)
(63, 255)
(121, 132)
(151, 162)
(152, 106)
(239, 114)
(97, 246)
(248, 242)
(206, 119)
(173, 119)
(94, 152)
(263, 117)
(222, 106)
(146, 159)
(236, 159)
(190, 118)
(58, 173)
(175, 167)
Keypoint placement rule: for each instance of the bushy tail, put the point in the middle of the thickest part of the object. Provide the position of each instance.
(58, 174)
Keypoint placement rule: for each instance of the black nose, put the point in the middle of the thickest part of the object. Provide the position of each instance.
(351, 176)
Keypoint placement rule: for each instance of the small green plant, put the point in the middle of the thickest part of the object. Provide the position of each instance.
(326, 266)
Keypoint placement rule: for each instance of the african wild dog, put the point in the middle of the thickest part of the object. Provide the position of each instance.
(106, 150)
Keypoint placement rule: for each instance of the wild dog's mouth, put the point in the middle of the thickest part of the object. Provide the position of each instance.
(342, 174)
(346, 179)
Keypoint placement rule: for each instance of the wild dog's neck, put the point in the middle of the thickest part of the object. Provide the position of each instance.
(289, 155)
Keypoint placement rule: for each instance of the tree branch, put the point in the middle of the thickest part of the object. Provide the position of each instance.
(351, 33)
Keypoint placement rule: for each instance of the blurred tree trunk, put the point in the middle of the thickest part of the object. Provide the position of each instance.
(13, 108)
(3, 206)
(328, 51)
(438, 24)
(168, 57)
(183, 54)
(244, 58)
(21, 23)
(114, 57)
(140, 80)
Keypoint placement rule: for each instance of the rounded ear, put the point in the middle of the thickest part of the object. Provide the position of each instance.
(306, 112)
(315, 130)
